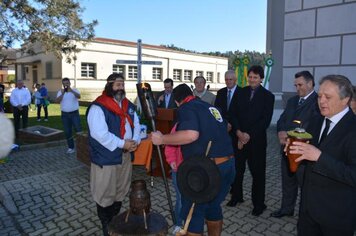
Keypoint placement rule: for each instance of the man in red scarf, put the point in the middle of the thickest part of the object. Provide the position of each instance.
(114, 133)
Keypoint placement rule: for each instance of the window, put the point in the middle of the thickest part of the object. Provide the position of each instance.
(157, 73)
(218, 77)
(49, 73)
(132, 72)
(177, 74)
(88, 70)
(209, 76)
(120, 69)
(188, 75)
(199, 73)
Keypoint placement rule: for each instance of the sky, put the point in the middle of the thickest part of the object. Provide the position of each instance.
(198, 25)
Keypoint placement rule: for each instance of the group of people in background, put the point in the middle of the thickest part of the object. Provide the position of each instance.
(326, 175)
(20, 100)
(236, 122)
(40, 95)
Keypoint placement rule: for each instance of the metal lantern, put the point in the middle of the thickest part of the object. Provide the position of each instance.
(148, 103)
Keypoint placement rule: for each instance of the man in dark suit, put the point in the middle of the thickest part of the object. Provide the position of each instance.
(251, 115)
(301, 107)
(227, 96)
(166, 99)
(328, 203)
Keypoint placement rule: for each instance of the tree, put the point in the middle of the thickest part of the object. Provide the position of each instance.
(56, 24)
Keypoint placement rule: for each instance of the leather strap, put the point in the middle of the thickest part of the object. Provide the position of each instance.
(219, 160)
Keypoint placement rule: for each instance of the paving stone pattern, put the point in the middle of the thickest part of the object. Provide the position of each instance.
(47, 192)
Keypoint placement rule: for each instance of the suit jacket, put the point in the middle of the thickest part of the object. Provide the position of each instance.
(304, 113)
(253, 116)
(221, 102)
(171, 104)
(329, 187)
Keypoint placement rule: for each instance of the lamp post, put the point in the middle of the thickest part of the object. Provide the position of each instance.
(75, 69)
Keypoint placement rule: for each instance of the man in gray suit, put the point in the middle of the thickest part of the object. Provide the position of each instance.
(301, 107)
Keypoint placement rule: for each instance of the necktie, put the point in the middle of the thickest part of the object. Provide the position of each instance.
(228, 98)
(166, 99)
(301, 101)
(325, 131)
(252, 93)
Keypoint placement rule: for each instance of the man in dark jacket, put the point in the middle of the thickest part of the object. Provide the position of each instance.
(302, 107)
(250, 118)
(328, 202)
(166, 97)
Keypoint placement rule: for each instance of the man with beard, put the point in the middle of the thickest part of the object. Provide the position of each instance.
(114, 133)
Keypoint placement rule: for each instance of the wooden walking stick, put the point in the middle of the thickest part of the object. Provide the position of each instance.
(149, 109)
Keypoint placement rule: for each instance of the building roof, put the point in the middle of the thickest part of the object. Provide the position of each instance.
(7, 56)
(148, 46)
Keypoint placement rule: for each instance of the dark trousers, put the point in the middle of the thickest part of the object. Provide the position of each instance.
(17, 116)
(308, 227)
(39, 106)
(255, 155)
(289, 187)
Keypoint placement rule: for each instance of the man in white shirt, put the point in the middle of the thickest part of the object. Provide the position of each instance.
(69, 100)
(20, 99)
(114, 133)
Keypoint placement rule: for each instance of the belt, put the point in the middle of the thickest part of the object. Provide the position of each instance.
(71, 112)
(219, 160)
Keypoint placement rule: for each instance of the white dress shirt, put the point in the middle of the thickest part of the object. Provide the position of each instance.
(20, 97)
(100, 132)
(334, 120)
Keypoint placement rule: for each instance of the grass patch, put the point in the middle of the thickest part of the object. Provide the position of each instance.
(54, 117)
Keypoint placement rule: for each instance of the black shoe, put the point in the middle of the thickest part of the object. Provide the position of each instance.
(258, 211)
(233, 202)
(280, 213)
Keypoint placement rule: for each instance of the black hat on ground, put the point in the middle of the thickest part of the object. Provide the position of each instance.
(198, 179)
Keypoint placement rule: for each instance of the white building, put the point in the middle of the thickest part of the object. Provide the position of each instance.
(97, 60)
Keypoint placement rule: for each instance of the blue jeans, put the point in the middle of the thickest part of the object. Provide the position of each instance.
(212, 210)
(70, 120)
(178, 206)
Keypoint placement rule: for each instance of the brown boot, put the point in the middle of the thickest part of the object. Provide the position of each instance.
(193, 234)
(214, 227)
(182, 233)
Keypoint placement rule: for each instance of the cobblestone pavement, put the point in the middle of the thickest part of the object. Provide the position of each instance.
(46, 192)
